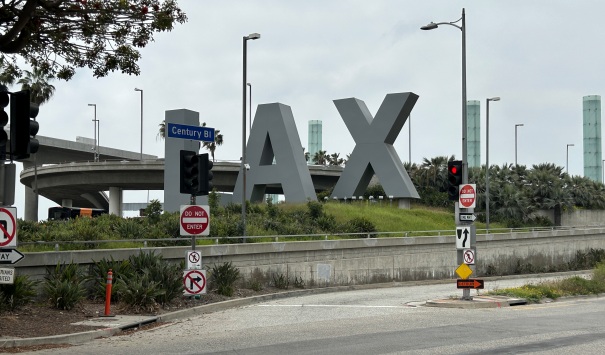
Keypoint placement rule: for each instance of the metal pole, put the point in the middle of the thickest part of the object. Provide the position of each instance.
(94, 122)
(603, 168)
(487, 166)
(243, 167)
(250, 113)
(464, 126)
(410, 139)
(141, 125)
(567, 159)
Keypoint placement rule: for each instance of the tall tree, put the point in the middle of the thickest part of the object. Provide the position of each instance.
(59, 36)
(211, 146)
(40, 90)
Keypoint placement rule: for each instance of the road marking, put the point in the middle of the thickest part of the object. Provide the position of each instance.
(329, 305)
(540, 306)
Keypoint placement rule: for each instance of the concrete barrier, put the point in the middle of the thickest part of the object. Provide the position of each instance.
(360, 261)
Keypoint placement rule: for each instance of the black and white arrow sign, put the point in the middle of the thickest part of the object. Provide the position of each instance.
(463, 237)
(467, 217)
(10, 256)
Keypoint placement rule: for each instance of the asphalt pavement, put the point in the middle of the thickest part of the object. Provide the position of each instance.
(118, 323)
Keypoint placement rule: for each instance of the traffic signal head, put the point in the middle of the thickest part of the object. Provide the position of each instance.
(190, 172)
(4, 100)
(23, 128)
(205, 174)
(454, 179)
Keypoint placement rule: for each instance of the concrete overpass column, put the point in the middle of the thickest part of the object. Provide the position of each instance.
(31, 205)
(31, 199)
(115, 201)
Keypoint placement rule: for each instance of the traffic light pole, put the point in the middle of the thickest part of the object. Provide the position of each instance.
(192, 203)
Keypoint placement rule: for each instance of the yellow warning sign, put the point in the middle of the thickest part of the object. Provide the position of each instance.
(464, 271)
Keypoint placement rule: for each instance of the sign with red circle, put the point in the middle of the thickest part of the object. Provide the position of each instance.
(195, 220)
(467, 196)
(8, 227)
(194, 282)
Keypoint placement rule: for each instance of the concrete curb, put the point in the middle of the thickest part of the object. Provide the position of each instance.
(82, 337)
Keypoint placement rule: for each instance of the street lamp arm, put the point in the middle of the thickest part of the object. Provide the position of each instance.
(433, 25)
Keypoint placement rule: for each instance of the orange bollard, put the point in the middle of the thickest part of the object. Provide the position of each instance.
(108, 294)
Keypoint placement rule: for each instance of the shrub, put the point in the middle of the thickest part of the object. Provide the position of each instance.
(20, 293)
(64, 285)
(360, 225)
(121, 269)
(140, 292)
(223, 277)
(281, 281)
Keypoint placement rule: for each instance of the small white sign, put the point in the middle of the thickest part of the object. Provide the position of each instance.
(468, 256)
(194, 282)
(194, 260)
(7, 276)
(463, 237)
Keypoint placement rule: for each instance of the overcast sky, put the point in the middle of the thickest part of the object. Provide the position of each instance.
(541, 57)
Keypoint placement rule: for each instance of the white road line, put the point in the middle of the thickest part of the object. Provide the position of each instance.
(329, 305)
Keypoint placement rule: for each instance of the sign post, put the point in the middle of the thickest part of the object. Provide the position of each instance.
(194, 221)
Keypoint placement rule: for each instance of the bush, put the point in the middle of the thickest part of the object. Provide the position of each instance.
(360, 225)
(18, 294)
(223, 278)
(98, 276)
(140, 292)
(64, 286)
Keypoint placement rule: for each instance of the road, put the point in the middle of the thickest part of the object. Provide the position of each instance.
(377, 321)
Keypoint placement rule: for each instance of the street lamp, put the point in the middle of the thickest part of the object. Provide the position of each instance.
(567, 158)
(251, 36)
(462, 27)
(487, 160)
(141, 90)
(94, 122)
(603, 166)
(517, 125)
(250, 110)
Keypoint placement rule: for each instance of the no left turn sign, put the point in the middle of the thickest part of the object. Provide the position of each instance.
(8, 227)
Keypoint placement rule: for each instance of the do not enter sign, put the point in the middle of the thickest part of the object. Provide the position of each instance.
(467, 196)
(195, 220)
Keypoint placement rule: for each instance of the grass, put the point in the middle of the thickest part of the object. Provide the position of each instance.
(572, 286)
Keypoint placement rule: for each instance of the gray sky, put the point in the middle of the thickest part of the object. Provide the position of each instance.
(541, 57)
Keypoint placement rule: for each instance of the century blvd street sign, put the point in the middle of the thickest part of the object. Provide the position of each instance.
(204, 134)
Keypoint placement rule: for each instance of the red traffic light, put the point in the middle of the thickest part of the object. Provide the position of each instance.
(454, 169)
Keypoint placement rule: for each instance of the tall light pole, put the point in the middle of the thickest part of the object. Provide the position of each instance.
(603, 166)
(141, 90)
(466, 293)
(410, 139)
(251, 36)
(567, 159)
(250, 110)
(487, 160)
(94, 122)
(462, 27)
(517, 125)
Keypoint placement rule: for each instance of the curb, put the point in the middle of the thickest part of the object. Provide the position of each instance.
(83, 337)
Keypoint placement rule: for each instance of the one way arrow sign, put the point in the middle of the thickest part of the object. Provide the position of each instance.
(10, 256)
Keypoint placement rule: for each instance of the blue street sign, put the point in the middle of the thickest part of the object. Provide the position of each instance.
(204, 134)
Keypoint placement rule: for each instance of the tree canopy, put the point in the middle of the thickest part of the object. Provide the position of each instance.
(56, 37)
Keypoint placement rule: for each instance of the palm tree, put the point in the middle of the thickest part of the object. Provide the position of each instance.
(320, 158)
(40, 90)
(161, 131)
(211, 146)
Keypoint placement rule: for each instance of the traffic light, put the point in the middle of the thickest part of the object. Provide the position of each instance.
(23, 125)
(4, 100)
(205, 174)
(190, 172)
(454, 179)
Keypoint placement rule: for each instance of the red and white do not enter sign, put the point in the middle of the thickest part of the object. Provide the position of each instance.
(8, 227)
(467, 196)
(195, 220)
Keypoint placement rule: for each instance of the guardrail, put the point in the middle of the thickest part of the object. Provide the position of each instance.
(298, 237)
